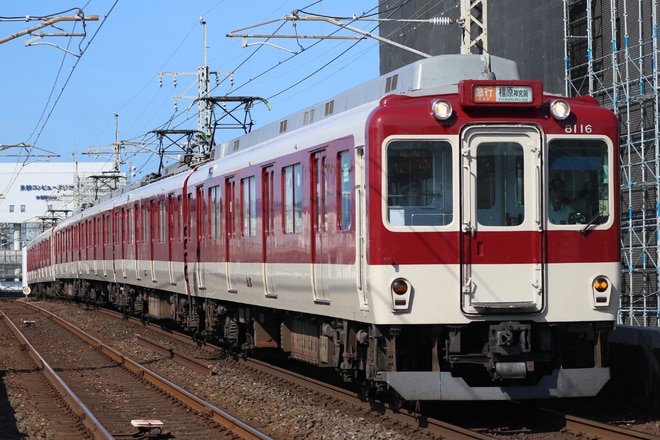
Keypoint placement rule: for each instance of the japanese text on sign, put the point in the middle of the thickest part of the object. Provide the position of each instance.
(491, 94)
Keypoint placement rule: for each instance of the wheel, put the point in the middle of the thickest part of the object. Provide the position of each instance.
(398, 402)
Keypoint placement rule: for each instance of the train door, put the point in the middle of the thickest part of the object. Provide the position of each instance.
(98, 245)
(501, 264)
(135, 239)
(230, 225)
(268, 227)
(200, 236)
(89, 255)
(319, 227)
(144, 249)
(146, 255)
(360, 218)
(106, 249)
(153, 237)
(118, 238)
(172, 223)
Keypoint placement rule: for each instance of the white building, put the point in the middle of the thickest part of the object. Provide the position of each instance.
(35, 196)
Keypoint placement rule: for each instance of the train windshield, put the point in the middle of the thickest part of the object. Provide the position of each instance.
(419, 183)
(500, 184)
(578, 182)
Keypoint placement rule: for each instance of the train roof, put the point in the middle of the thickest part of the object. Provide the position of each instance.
(435, 75)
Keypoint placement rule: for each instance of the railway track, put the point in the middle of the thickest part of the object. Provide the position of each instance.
(418, 425)
(126, 399)
(30, 395)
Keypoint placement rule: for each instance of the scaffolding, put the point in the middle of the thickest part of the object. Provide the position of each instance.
(611, 53)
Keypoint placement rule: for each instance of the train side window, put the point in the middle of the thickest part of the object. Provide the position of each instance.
(216, 213)
(249, 206)
(163, 225)
(319, 191)
(108, 229)
(268, 208)
(292, 189)
(419, 183)
(344, 190)
(131, 225)
(99, 236)
(230, 218)
(201, 213)
(180, 218)
(145, 223)
(90, 239)
(171, 218)
(118, 229)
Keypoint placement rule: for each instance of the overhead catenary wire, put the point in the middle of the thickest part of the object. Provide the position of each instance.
(268, 70)
(47, 113)
(180, 119)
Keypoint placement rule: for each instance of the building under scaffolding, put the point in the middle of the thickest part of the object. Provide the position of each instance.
(605, 48)
(611, 51)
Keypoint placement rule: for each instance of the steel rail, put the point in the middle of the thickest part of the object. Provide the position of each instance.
(434, 426)
(216, 414)
(595, 429)
(73, 401)
(575, 425)
(180, 358)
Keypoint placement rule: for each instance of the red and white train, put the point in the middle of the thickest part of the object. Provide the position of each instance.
(429, 232)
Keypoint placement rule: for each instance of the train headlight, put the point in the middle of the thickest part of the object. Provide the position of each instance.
(560, 109)
(441, 109)
(601, 290)
(400, 291)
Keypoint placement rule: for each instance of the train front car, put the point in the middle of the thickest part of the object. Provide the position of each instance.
(493, 252)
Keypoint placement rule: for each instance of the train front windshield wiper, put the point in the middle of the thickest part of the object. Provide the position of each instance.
(591, 222)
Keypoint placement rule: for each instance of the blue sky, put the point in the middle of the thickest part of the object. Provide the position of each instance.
(66, 104)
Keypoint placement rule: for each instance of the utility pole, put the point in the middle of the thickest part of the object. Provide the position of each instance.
(50, 21)
(339, 22)
(474, 21)
(110, 180)
(204, 106)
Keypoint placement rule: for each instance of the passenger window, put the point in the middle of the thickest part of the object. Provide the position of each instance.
(344, 190)
(292, 189)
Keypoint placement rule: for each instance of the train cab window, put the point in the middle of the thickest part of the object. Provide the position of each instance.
(500, 184)
(419, 183)
(577, 187)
